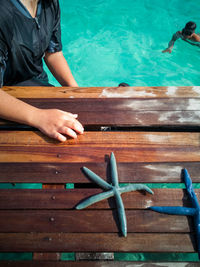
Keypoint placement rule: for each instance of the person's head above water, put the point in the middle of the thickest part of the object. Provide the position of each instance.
(189, 28)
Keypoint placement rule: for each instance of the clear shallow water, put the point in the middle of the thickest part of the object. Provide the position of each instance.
(110, 41)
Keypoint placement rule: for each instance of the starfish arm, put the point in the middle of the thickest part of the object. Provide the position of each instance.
(190, 189)
(93, 199)
(121, 213)
(98, 180)
(113, 169)
(174, 210)
(197, 228)
(134, 187)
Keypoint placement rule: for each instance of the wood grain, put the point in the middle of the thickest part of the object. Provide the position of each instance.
(94, 242)
(95, 146)
(102, 139)
(111, 105)
(55, 172)
(129, 112)
(68, 199)
(91, 221)
(103, 92)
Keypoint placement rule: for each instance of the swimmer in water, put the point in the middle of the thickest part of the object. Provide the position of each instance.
(187, 34)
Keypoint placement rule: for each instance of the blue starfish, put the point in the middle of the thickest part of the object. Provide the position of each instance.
(112, 190)
(194, 211)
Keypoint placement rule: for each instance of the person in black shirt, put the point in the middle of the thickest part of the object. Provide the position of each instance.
(29, 32)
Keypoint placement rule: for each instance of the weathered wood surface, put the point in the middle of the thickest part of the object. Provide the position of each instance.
(91, 221)
(112, 105)
(131, 112)
(96, 264)
(44, 220)
(55, 172)
(68, 199)
(78, 242)
(96, 146)
(104, 92)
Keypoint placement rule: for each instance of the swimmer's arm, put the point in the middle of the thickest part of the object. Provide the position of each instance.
(196, 37)
(52, 122)
(58, 66)
(175, 37)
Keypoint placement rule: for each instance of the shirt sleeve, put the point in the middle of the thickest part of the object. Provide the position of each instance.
(3, 58)
(55, 44)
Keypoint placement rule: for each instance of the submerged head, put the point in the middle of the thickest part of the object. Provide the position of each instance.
(123, 85)
(189, 28)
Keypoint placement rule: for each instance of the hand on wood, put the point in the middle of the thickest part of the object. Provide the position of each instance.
(57, 124)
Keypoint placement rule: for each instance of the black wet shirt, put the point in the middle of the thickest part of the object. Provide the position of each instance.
(24, 39)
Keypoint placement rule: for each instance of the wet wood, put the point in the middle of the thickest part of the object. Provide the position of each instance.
(68, 199)
(150, 172)
(94, 242)
(98, 264)
(95, 146)
(129, 112)
(91, 221)
(104, 92)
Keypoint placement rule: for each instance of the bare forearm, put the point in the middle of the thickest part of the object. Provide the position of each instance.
(58, 66)
(52, 122)
(171, 43)
(15, 110)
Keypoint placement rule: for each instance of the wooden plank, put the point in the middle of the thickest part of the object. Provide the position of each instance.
(53, 186)
(128, 112)
(91, 221)
(120, 139)
(95, 146)
(46, 256)
(77, 242)
(55, 172)
(68, 199)
(97, 264)
(111, 105)
(103, 92)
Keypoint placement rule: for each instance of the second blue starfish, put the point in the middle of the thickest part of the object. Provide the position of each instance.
(193, 211)
(113, 190)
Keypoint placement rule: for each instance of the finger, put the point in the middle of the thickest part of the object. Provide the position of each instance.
(69, 114)
(72, 115)
(74, 124)
(77, 126)
(75, 115)
(60, 137)
(69, 132)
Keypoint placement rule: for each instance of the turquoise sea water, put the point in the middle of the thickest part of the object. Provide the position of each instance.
(110, 41)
